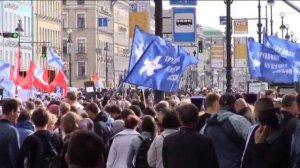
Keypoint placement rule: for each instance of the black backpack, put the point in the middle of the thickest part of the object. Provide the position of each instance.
(141, 157)
(49, 156)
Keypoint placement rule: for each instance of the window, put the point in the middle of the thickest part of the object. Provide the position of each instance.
(81, 69)
(80, 2)
(64, 2)
(65, 46)
(65, 20)
(80, 21)
(81, 45)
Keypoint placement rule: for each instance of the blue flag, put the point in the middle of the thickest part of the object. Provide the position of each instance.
(54, 60)
(268, 64)
(141, 41)
(285, 48)
(5, 82)
(160, 67)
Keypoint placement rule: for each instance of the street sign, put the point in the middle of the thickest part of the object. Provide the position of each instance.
(102, 22)
(184, 24)
(184, 2)
(223, 20)
(241, 27)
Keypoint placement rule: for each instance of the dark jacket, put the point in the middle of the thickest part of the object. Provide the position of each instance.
(189, 149)
(274, 153)
(25, 128)
(9, 144)
(35, 146)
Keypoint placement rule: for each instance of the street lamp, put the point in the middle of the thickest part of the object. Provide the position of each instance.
(106, 64)
(70, 58)
(259, 25)
(19, 29)
(287, 36)
(282, 26)
(271, 3)
(292, 35)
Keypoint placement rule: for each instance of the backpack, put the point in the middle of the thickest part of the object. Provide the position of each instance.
(141, 157)
(49, 157)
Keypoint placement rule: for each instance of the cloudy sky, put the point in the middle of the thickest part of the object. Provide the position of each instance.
(208, 13)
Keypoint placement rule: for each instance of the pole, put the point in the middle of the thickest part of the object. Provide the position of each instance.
(158, 95)
(266, 30)
(259, 22)
(106, 66)
(70, 60)
(271, 10)
(228, 45)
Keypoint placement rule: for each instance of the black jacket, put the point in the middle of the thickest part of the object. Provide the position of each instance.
(34, 147)
(274, 153)
(189, 149)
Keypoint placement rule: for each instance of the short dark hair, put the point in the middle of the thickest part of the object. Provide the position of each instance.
(87, 143)
(40, 117)
(227, 100)
(125, 113)
(92, 107)
(148, 124)
(131, 121)
(24, 116)
(10, 105)
(149, 111)
(269, 92)
(136, 109)
(30, 105)
(170, 120)
(114, 109)
(288, 100)
(210, 99)
(262, 104)
(71, 96)
(161, 105)
(188, 114)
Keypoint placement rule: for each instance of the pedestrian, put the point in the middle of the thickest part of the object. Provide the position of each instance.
(188, 148)
(24, 125)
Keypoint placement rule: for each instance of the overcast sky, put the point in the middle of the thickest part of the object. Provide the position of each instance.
(208, 13)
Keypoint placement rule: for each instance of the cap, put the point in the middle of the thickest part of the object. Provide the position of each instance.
(227, 99)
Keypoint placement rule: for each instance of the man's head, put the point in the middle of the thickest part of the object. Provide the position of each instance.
(188, 115)
(85, 149)
(40, 118)
(271, 94)
(227, 101)
(71, 98)
(64, 108)
(212, 102)
(92, 110)
(240, 104)
(115, 111)
(11, 109)
(289, 103)
(263, 104)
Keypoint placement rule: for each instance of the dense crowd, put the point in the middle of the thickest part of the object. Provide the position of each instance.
(226, 131)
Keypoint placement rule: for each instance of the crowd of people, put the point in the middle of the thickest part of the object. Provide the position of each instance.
(217, 131)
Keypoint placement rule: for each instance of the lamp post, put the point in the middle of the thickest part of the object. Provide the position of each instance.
(228, 45)
(70, 54)
(19, 29)
(271, 4)
(287, 36)
(106, 65)
(292, 35)
(282, 26)
(259, 25)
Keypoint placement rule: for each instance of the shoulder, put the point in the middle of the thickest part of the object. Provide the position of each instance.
(238, 119)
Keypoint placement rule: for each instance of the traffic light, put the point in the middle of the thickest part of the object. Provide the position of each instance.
(10, 35)
(44, 52)
(200, 46)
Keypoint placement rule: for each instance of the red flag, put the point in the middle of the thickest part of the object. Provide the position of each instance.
(60, 80)
(94, 77)
(39, 81)
(15, 71)
(46, 75)
(27, 82)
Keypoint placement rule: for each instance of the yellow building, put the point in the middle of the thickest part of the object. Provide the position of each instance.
(47, 28)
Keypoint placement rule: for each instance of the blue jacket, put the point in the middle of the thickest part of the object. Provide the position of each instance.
(9, 144)
(25, 128)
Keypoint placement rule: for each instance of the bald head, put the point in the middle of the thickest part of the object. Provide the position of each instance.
(240, 104)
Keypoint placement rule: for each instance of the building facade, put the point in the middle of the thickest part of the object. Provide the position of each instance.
(47, 28)
(89, 40)
(10, 14)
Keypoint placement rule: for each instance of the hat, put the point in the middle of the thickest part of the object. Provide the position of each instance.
(271, 118)
(227, 99)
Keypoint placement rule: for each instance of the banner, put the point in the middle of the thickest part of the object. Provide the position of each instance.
(268, 64)
(217, 53)
(240, 52)
(240, 26)
(140, 19)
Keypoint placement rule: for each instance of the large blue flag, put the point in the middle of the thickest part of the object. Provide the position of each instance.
(54, 60)
(141, 41)
(285, 48)
(160, 67)
(268, 64)
(5, 82)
